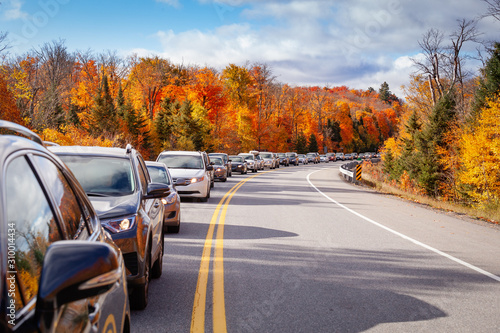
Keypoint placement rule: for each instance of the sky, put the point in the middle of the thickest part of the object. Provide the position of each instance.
(356, 43)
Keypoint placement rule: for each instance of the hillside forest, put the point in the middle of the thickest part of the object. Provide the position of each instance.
(442, 139)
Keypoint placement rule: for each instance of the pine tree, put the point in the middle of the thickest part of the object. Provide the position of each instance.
(301, 144)
(384, 92)
(313, 144)
(432, 137)
(489, 83)
(104, 111)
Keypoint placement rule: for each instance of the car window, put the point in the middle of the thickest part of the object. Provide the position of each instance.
(102, 176)
(158, 174)
(35, 228)
(72, 217)
(182, 161)
(143, 178)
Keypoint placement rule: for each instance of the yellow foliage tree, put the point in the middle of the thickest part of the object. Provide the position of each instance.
(480, 158)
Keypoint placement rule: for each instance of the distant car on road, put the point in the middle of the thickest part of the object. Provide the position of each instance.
(191, 167)
(227, 162)
(252, 163)
(238, 164)
(292, 157)
(172, 216)
(220, 170)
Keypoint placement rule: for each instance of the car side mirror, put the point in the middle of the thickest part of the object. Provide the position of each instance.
(210, 167)
(157, 191)
(75, 270)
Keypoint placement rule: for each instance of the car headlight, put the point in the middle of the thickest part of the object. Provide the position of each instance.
(219, 169)
(169, 200)
(197, 179)
(119, 225)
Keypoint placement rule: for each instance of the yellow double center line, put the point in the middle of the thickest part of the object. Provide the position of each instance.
(219, 308)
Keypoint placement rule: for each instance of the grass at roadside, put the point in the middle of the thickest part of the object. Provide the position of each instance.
(491, 215)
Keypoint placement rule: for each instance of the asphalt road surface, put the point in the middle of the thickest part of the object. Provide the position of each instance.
(297, 249)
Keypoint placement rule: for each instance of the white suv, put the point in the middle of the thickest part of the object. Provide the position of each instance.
(190, 166)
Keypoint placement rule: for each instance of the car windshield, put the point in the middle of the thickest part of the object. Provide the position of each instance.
(102, 176)
(236, 159)
(158, 174)
(265, 155)
(181, 161)
(249, 157)
(281, 155)
(216, 160)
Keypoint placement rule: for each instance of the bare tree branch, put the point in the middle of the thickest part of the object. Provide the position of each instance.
(493, 9)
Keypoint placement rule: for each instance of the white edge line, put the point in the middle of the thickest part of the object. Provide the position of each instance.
(441, 253)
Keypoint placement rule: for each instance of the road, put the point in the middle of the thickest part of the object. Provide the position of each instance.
(297, 249)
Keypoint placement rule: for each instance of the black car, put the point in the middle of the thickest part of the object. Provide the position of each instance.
(119, 186)
(59, 269)
(239, 164)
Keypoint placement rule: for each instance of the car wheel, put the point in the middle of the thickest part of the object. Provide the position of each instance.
(175, 228)
(140, 293)
(224, 179)
(157, 268)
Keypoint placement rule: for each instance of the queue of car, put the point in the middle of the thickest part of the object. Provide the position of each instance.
(107, 209)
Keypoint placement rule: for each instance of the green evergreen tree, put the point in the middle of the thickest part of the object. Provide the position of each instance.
(489, 82)
(408, 160)
(431, 137)
(334, 130)
(72, 117)
(313, 144)
(104, 111)
(384, 93)
(301, 144)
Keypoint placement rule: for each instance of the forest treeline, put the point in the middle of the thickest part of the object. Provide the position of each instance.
(86, 98)
(442, 141)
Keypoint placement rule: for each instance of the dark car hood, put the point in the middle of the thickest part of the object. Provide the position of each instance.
(109, 207)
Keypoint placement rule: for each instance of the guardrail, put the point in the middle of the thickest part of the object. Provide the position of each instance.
(348, 170)
(352, 170)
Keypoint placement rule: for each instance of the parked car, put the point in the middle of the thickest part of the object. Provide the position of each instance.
(239, 164)
(292, 158)
(219, 168)
(59, 267)
(340, 156)
(252, 164)
(331, 157)
(172, 216)
(227, 162)
(303, 159)
(128, 203)
(284, 159)
(269, 160)
(323, 158)
(191, 167)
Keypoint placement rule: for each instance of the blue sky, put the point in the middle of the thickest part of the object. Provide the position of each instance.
(358, 43)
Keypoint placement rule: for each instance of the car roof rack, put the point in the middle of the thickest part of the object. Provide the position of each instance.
(21, 130)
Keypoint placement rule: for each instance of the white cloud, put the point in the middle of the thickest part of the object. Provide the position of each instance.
(173, 3)
(358, 43)
(13, 10)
